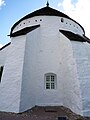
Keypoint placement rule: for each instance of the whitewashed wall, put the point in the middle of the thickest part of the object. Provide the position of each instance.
(3, 55)
(48, 51)
(28, 89)
(44, 50)
(68, 24)
(10, 86)
(82, 55)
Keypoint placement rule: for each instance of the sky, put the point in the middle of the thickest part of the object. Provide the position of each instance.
(12, 10)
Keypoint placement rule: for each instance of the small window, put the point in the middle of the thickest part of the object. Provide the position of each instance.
(40, 19)
(62, 20)
(1, 71)
(50, 81)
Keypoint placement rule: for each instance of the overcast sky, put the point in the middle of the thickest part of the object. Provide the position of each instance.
(12, 10)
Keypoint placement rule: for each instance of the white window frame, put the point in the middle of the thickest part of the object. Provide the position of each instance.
(50, 81)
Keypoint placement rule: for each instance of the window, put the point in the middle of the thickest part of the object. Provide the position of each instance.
(1, 71)
(62, 20)
(50, 81)
(40, 19)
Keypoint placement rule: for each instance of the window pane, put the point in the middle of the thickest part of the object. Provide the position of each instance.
(47, 78)
(52, 85)
(52, 78)
(47, 85)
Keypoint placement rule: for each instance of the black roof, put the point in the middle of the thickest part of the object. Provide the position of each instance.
(75, 37)
(44, 11)
(24, 31)
(5, 46)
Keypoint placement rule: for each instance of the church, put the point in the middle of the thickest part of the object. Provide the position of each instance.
(47, 63)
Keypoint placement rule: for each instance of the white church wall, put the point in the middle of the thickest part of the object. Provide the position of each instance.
(52, 54)
(44, 50)
(10, 86)
(72, 26)
(71, 85)
(67, 24)
(3, 55)
(82, 56)
(28, 22)
(28, 90)
(49, 61)
(47, 51)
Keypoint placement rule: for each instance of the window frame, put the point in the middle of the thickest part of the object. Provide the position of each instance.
(50, 79)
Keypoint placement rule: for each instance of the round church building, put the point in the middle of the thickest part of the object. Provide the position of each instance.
(47, 63)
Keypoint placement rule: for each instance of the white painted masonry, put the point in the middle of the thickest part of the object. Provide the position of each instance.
(66, 25)
(82, 57)
(45, 50)
(10, 87)
(3, 55)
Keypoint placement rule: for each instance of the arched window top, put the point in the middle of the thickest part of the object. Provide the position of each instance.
(50, 74)
(50, 81)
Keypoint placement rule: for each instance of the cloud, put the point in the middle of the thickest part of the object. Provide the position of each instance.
(79, 11)
(2, 2)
